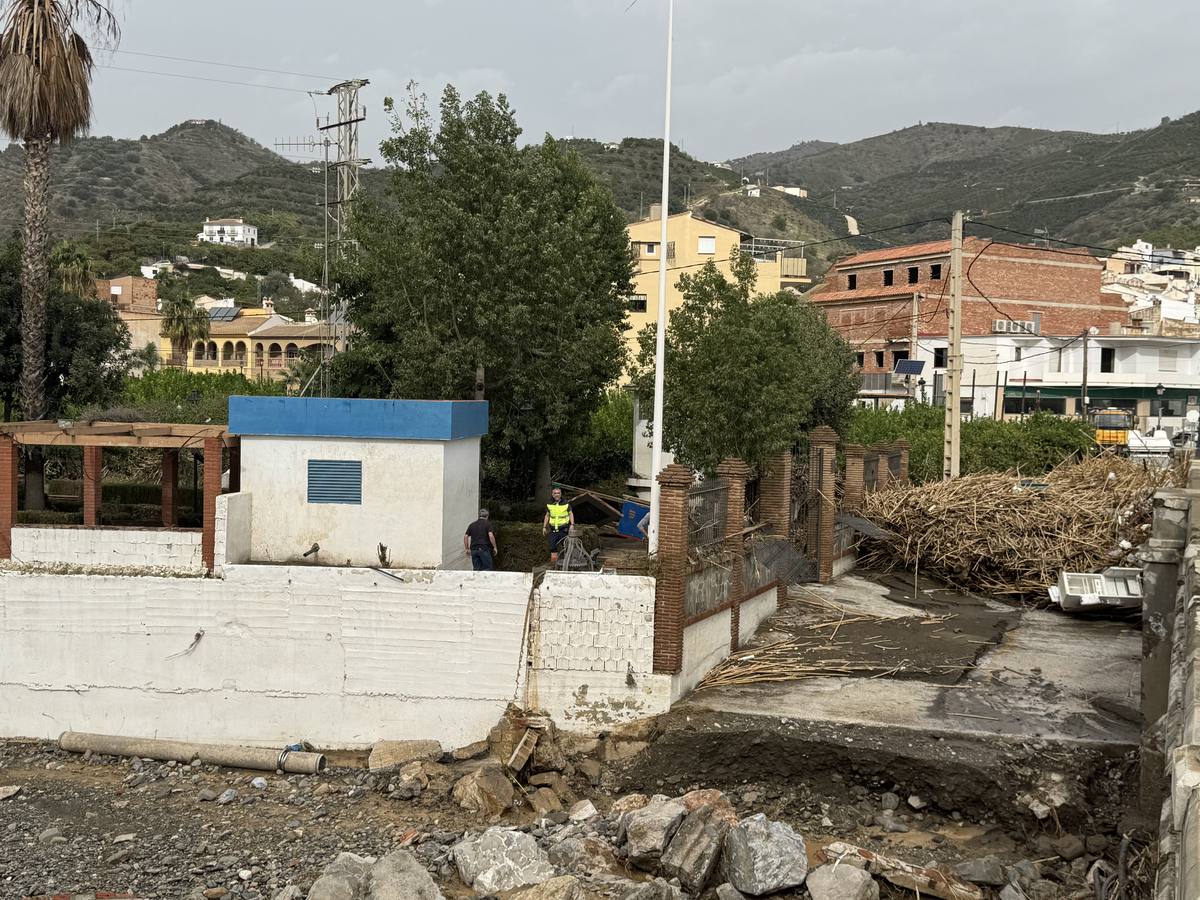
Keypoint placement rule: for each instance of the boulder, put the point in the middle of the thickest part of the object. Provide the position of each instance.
(544, 801)
(693, 800)
(834, 882)
(591, 770)
(727, 891)
(1069, 847)
(583, 810)
(291, 892)
(388, 755)
(343, 879)
(565, 887)
(648, 831)
(398, 876)
(654, 890)
(628, 803)
(501, 860)
(584, 856)
(555, 782)
(985, 870)
(762, 857)
(471, 751)
(692, 854)
(486, 791)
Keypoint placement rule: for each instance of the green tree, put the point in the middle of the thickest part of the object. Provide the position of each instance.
(73, 269)
(488, 270)
(746, 375)
(183, 322)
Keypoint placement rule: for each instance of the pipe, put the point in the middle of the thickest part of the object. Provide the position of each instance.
(230, 755)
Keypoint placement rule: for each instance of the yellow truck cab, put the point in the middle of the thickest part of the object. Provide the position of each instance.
(1112, 428)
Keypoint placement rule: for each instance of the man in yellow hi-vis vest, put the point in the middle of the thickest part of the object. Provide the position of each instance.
(559, 520)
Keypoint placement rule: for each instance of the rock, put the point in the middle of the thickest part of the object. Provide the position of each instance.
(407, 789)
(8, 791)
(628, 803)
(215, 893)
(245, 874)
(648, 831)
(655, 890)
(227, 796)
(762, 857)
(544, 801)
(916, 802)
(727, 891)
(342, 879)
(585, 856)
(398, 876)
(1096, 844)
(1024, 873)
(486, 791)
(506, 734)
(591, 770)
(985, 870)
(323, 789)
(124, 838)
(387, 755)
(471, 751)
(889, 801)
(51, 836)
(924, 880)
(1012, 892)
(206, 796)
(565, 887)
(693, 800)
(835, 882)
(1045, 890)
(1069, 847)
(615, 751)
(692, 854)
(500, 860)
(583, 810)
(548, 755)
(291, 892)
(259, 783)
(555, 782)
(119, 857)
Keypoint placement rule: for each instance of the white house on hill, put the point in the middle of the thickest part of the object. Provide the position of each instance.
(229, 231)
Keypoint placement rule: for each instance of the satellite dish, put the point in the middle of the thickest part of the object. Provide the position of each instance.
(1193, 416)
(1093, 331)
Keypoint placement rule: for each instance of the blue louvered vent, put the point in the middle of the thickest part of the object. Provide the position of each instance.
(334, 481)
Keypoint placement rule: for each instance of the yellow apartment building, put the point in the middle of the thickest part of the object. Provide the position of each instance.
(691, 242)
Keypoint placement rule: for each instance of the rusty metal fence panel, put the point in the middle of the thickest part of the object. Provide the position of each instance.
(798, 531)
(870, 472)
(707, 503)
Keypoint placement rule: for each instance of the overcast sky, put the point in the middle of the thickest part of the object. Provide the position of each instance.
(748, 76)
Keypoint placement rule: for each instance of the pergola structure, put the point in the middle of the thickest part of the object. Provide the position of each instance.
(93, 437)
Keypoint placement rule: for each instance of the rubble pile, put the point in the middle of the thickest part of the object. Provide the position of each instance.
(1002, 534)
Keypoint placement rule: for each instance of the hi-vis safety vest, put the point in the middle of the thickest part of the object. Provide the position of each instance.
(560, 514)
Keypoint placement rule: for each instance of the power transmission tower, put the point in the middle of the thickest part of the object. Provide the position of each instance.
(349, 114)
(954, 362)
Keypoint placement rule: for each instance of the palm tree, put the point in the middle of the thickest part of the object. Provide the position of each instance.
(73, 270)
(183, 322)
(45, 96)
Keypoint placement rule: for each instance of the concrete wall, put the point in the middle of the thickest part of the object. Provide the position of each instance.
(404, 501)
(754, 611)
(233, 529)
(705, 644)
(171, 550)
(339, 657)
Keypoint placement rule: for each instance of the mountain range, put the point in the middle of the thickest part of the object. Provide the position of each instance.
(1100, 189)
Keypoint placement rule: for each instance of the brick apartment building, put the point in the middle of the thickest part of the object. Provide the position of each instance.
(136, 300)
(1017, 297)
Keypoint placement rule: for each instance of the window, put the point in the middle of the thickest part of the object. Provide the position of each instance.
(637, 303)
(651, 248)
(1017, 354)
(879, 359)
(1108, 359)
(851, 282)
(860, 358)
(1166, 360)
(935, 272)
(889, 277)
(707, 245)
(939, 357)
(897, 356)
(335, 481)
(914, 274)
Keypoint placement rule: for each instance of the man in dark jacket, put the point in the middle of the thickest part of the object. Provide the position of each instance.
(480, 543)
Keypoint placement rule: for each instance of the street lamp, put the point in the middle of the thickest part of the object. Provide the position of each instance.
(921, 388)
(1160, 389)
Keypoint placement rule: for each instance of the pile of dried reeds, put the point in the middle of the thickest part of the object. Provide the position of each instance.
(1002, 535)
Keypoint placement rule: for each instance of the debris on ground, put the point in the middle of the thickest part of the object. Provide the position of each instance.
(1000, 535)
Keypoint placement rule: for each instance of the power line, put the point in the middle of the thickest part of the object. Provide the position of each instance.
(1112, 251)
(212, 62)
(266, 87)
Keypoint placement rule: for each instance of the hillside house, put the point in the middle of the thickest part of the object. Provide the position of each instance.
(136, 300)
(233, 232)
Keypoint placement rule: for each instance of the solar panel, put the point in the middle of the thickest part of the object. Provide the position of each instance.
(223, 313)
(910, 366)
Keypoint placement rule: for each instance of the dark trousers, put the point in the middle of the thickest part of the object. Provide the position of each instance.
(481, 559)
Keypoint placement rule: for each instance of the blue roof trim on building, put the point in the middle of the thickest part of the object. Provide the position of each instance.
(408, 420)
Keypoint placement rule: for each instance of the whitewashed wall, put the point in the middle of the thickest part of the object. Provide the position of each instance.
(173, 550)
(754, 611)
(339, 657)
(233, 529)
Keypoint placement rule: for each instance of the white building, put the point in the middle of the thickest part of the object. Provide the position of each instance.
(229, 231)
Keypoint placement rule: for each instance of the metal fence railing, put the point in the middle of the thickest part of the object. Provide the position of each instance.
(800, 501)
(707, 503)
(870, 472)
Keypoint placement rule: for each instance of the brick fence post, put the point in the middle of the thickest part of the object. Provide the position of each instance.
(822, 506)
(904, 448)
(170, 484)
(855, 489)
(9, 455)
(671, 578)
(93, 467)
(775, 493)
(235, 465)
(883, 470)
(734, 472)
(212, 488)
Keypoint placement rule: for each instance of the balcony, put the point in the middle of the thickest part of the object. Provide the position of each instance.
(877, 383)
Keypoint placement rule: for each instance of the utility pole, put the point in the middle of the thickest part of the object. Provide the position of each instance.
(912, 338)
(954, 362)
(348, 163)
(1083, 391)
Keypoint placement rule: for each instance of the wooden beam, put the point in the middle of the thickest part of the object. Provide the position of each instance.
(37, 425)
(163, 442)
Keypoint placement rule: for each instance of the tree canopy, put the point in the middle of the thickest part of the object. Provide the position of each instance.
(746, 375)
(488, 266)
